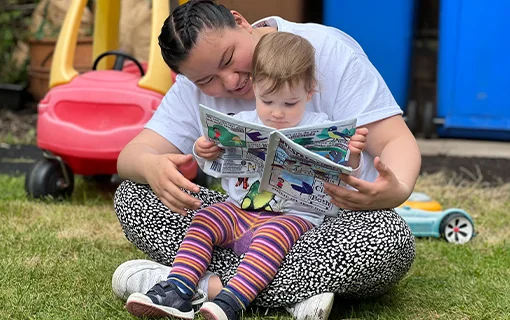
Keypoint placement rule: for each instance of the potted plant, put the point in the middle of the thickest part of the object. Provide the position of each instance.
(13, 73)
(13, 93)
(45, 27)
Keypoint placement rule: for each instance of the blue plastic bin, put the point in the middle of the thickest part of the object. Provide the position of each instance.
(384, 29)
(474, 70)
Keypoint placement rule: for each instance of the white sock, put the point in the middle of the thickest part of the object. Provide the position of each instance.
(203, 283)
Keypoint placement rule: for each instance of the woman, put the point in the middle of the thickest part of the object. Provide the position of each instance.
(364, 251)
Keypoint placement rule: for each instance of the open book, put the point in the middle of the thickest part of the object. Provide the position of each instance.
(292, 163)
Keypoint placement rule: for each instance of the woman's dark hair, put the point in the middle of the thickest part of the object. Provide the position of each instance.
(182, 28)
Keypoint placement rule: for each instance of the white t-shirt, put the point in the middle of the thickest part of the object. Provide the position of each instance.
(349, 86)
(238, 188)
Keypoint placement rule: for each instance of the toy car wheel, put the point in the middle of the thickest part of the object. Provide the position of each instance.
(456, 228)
(47, 179)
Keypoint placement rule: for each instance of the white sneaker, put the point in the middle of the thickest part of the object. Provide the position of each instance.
(314, 308)
(138, 276)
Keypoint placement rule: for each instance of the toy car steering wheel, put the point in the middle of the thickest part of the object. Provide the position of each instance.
(119, 60)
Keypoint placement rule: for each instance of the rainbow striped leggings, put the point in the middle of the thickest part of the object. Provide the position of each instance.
(267, 236)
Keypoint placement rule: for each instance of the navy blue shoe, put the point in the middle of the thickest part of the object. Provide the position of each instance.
(162, 300)
(223, 307)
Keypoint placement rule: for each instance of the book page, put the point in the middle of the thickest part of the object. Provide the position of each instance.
(244, 145)
(295, 173)
(329, 140)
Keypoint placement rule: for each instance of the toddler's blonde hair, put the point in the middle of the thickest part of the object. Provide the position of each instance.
(284, 58)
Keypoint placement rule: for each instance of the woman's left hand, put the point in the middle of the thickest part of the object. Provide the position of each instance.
(385, 192)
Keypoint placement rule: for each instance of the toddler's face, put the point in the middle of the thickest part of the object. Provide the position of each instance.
(283, 108)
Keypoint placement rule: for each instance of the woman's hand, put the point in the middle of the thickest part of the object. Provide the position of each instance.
(385, 192)
(162, 174)
(206, 149)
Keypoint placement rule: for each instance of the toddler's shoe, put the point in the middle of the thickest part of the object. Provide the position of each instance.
(141, 275)
(223, 307)
(162, 300)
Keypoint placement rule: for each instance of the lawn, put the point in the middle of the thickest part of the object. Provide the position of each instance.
(57, 259)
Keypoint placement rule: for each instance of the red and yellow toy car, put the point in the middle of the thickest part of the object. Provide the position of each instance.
(85, 120)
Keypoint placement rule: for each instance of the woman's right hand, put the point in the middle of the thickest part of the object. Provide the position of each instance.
(204, 148)
(162, 174)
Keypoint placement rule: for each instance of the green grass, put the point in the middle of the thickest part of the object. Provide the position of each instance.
(28, 137)
(58, 258)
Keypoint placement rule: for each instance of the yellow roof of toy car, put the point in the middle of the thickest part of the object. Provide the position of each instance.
(421, 201)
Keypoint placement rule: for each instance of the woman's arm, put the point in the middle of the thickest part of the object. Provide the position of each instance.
(150, 158)
(398, 162)
(358, 91)
(155, 154)
(131, 163)
(391, 140)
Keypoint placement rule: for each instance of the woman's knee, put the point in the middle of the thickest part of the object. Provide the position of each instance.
(389, 230)
(148, 223)
(140, 212)
(131, 195)
(381, 232)
(358, 254)
(380, 250)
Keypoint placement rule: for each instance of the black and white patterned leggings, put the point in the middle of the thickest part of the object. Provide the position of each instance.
(358, 254)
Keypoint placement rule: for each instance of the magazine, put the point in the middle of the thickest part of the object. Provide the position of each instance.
(292, 163)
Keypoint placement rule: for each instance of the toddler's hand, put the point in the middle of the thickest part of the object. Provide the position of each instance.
(357, 144)
(358, 141)
(206, 149)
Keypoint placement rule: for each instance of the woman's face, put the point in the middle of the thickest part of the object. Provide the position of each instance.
(220, 63)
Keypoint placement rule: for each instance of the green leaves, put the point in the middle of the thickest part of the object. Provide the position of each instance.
(14, 23)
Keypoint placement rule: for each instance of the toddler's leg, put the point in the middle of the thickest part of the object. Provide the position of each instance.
(211, 226)
(271, 242)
